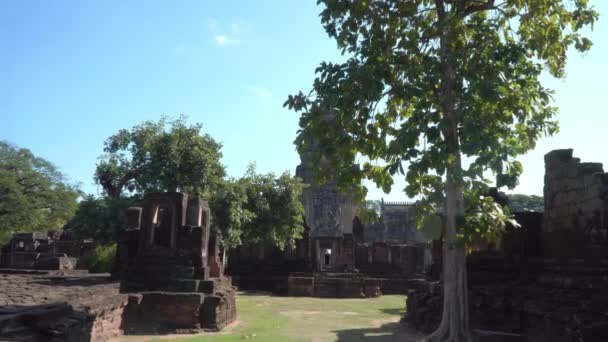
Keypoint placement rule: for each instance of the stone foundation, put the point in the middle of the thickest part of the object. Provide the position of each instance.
(175, 312)
(44, 306)
(346, 285)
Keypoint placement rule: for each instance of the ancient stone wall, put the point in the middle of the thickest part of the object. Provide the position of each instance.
(576, 212)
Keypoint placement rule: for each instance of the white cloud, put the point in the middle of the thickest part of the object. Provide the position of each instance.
(224, 35)
(221, 39)
(260, 92)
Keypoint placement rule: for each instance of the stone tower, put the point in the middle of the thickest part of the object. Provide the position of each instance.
(329, 215)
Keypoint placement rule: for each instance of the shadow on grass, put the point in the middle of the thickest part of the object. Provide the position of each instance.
(394, 311)
(387, 332)
(251, 293)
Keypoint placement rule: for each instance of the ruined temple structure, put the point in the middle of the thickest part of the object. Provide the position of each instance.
(329, 216)
(337, 256)
(548, 280)
(171, 281)
(52, 250)
(169, 259)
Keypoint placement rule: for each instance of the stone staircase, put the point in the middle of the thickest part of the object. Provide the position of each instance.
(165, 273)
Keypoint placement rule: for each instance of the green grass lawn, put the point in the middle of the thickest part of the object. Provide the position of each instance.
(268, 318)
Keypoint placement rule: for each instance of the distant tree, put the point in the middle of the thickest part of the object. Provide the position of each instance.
(100, 218)
(160, 156)
(521, 202)
(260, 209)
(427, 83)
(34, 195)
(229, 212)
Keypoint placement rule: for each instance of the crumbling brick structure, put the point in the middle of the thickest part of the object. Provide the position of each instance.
(548, 280)
(172, 262)
(576, 210)
(52, 250)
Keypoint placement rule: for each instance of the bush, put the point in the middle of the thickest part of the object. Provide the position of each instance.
(99, 260)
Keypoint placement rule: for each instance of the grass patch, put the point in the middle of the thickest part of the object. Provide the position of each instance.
(268, 318)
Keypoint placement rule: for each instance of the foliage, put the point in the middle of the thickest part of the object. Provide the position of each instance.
(369, 212)
(229, 214)
(427, 84)
(521, 202)
(99, 260)
(486, 219)
(160, 156)
(275, 202)
(34, 195)
(260, 209)
(386, 101)
(100, 218)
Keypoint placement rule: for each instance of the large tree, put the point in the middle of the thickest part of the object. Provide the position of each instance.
(428, 83)
(100, 218)
(160, 156)
(259, 209)
(34, 195)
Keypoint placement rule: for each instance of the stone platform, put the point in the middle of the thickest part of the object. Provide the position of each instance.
(44, 306)
(52, 306)
(346, 285)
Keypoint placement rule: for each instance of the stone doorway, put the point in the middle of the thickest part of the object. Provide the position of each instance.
(161, 224)
(327, 255)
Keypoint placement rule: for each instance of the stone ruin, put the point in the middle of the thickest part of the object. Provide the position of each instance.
(172, 262)
(52, 250)
(337, 255)
(548, 280)
(171, 280)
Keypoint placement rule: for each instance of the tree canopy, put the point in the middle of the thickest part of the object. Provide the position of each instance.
(259, 209)
(428, 84)
(521, 202)
(160, 156)
(34, 195)
(100, 218)
(174, 156)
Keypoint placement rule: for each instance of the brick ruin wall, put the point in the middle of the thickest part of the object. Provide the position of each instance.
(546, 283)
(576, 211)
(42, 306)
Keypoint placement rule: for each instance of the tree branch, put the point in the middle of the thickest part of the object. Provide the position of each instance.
(481, 7)
(440, 8)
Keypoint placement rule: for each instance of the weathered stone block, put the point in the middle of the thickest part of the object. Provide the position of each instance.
(218, 310)
(184, 285)
(300, 286)
(161, 312)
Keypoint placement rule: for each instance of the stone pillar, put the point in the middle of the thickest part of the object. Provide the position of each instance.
(11, 261)
(317, 255)
(334, 253)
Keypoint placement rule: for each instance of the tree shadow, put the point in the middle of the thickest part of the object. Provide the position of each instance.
(388, 332)
(45, 322)
(394, 311)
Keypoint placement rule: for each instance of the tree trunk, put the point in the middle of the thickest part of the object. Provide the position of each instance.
(454, 326)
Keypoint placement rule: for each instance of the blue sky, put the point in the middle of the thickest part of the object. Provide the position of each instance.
(73, 73)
